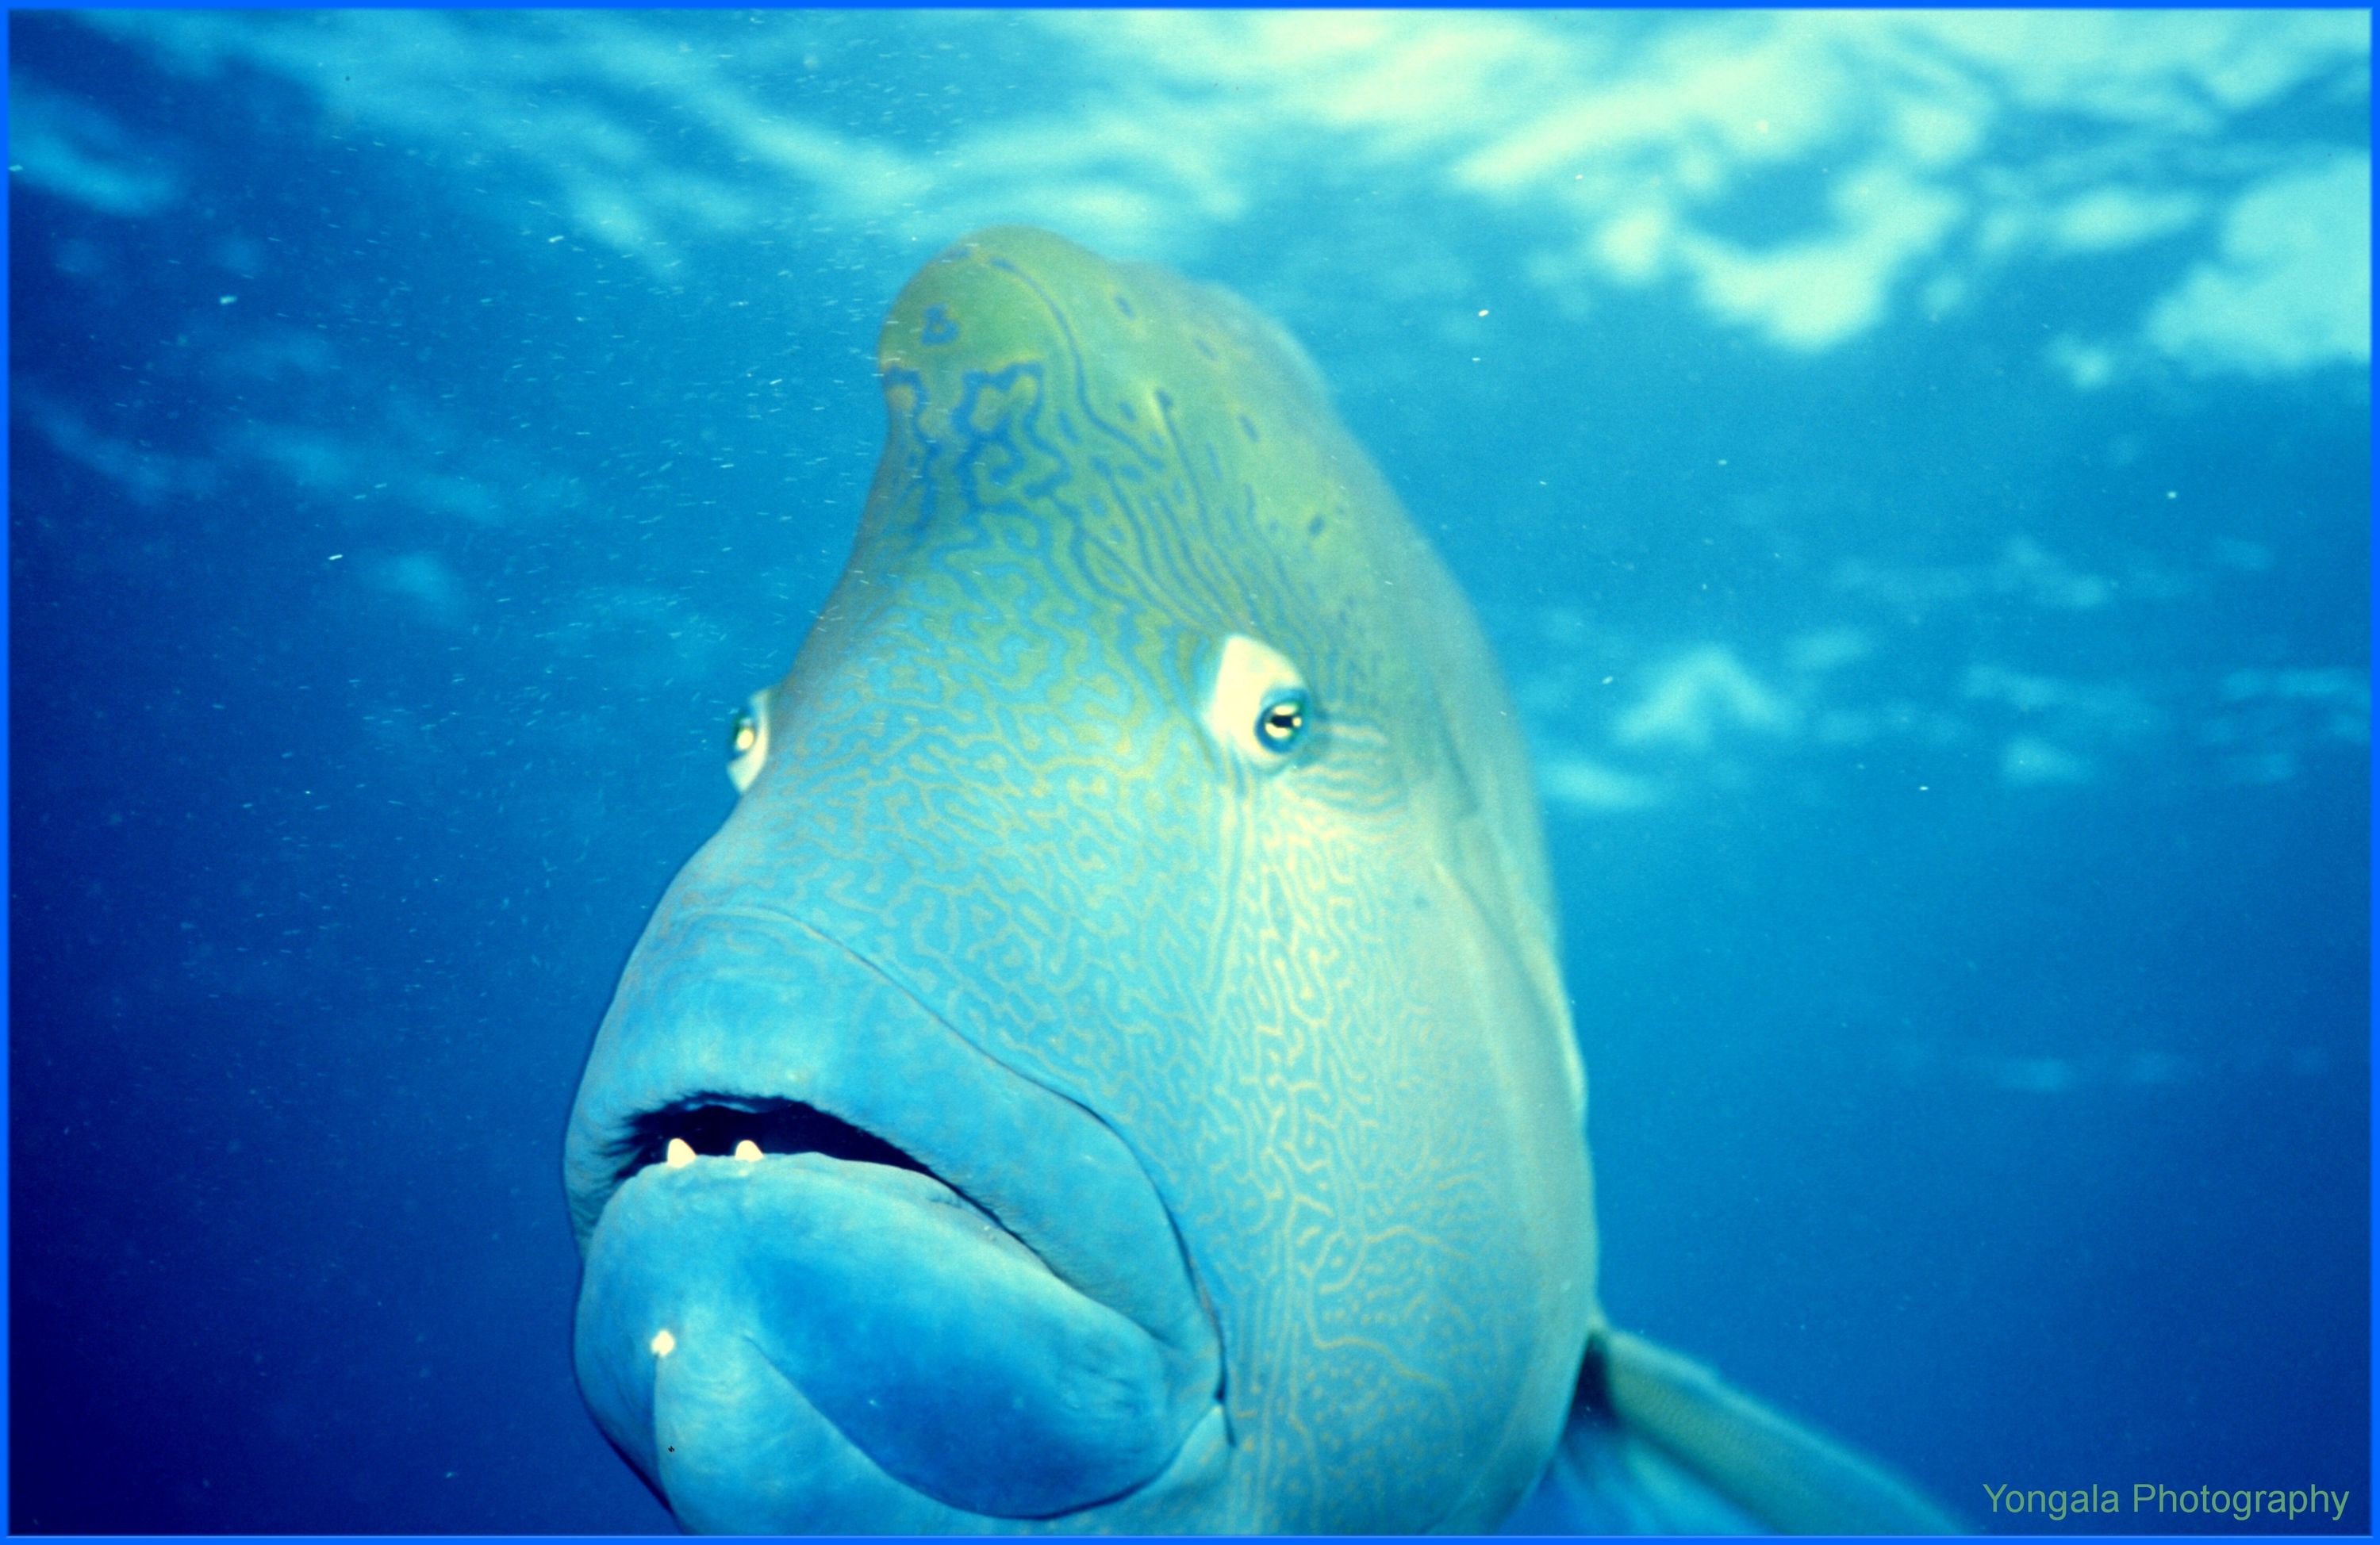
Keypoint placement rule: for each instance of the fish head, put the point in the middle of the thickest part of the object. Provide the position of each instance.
(1127, 977)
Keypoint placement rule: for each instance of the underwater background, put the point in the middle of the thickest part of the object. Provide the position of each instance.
(1914, 469)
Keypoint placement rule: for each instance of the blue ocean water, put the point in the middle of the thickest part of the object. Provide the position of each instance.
(1915, 468)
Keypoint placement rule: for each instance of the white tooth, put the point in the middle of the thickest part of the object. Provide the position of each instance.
(681, 1152)
(747, 1151)
(664, 1344)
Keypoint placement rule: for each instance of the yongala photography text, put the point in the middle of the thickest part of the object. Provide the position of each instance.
(2242, 1504)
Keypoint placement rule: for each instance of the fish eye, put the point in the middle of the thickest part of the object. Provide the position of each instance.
(1259, 706)
(747, 741)
(1281, 720)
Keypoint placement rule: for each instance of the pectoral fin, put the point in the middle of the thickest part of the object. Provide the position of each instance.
(1658, 1445)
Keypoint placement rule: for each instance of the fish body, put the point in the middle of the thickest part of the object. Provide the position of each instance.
(1111, 1071)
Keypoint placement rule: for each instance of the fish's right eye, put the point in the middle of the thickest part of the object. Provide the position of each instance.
(747, 741)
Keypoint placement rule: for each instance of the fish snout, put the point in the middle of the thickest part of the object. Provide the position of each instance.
(844, 1270)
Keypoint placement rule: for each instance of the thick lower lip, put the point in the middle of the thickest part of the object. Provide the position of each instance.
(884, 1161)
(730, 1301)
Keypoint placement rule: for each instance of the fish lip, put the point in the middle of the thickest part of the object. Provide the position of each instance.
(691, 1115)
(590, 1201)
(639, 1066)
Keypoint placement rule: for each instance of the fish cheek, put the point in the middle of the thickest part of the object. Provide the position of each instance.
(1350, 1194)
(1349, 1203)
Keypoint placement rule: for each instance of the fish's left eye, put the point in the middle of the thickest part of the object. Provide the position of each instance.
(1259, 706)
(1281, 720)
(747, 741)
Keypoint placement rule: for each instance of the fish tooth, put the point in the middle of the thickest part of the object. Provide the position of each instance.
(681, 1152)
(747, 1151)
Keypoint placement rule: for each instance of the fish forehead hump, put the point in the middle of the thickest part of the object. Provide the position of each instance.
(1185, 443)
(1320, 1007)
(1171, 433)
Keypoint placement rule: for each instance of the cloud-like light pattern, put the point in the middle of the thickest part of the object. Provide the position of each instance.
(1805, 177)
(1655, 732)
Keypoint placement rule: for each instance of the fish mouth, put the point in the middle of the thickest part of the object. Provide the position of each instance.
(834, 1250)
(749, 1129)
(717, 1125)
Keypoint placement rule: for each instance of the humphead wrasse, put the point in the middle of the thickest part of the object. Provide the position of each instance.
(1111, 1070)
